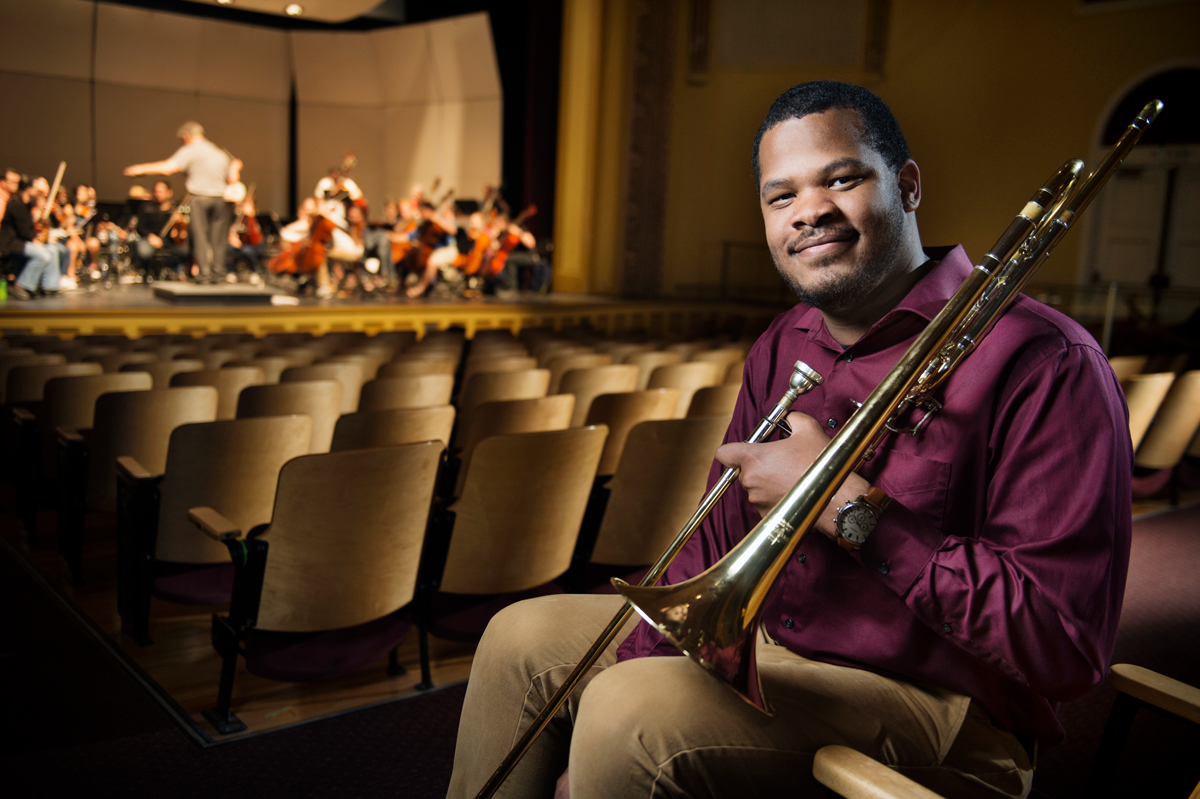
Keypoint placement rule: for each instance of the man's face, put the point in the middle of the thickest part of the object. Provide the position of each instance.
(12, 181)
(832, 209)
(162, 192)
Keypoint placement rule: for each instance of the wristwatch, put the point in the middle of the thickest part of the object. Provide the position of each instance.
(857, 518)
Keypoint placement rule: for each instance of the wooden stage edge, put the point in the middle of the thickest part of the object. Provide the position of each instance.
(135, 314)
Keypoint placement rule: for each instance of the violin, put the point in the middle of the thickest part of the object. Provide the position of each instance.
(177, 224)
(508, 243)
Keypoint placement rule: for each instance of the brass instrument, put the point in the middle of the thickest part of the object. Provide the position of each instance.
(713, 617)
(803, 380)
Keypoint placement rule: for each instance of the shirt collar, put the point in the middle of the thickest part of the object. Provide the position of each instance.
(925, 299)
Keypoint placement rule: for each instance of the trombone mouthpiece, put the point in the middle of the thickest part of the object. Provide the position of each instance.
(805, 378)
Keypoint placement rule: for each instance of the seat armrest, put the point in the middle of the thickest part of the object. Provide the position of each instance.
(857, 776)
(128, 467)
(1156, 689)
(214, 525)
(69, 435)
(22, 414)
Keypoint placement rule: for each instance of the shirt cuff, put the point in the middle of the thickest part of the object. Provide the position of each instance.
(899, 548)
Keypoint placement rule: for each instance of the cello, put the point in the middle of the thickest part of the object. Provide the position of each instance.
(508, 243)
(306, 256)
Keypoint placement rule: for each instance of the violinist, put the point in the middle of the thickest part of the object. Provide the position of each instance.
(38, 264)
(153, 250)
(245, 235)
(377, 248)
(435, 245)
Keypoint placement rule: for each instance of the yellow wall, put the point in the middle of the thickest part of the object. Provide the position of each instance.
(992, 96)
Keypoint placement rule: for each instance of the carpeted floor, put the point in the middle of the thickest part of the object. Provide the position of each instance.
(75, 722)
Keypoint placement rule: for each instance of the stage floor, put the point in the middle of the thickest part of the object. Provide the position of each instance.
(134, 310)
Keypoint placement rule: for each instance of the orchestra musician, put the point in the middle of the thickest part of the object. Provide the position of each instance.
(209, 170)
(434, 244)
(963, 582)
(23, 237)
(152, 249)
(245, 235)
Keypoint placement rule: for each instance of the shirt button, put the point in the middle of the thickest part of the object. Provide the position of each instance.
(832, 423)
(802, 557)
(946, 628)
(849, 357)
(884, 568)
(789, 624)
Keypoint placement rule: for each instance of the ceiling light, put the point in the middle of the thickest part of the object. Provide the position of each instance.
(224, 2)
(293, 9)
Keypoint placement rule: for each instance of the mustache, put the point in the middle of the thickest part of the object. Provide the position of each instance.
(831, 232)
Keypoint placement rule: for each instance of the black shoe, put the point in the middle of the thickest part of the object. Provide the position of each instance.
(19, 292)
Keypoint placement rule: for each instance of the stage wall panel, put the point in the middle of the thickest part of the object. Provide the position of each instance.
(35, 133)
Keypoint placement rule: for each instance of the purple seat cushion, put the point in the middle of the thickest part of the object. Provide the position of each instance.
(1148, 485)
(463, 617)
(303, 657)
(194, 583)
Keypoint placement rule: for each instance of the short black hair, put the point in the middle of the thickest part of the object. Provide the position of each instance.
(881, 131)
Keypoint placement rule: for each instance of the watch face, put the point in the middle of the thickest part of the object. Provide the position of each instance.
(856, 523)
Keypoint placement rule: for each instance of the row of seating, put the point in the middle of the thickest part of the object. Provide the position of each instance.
(518, 509)
(1164, 424)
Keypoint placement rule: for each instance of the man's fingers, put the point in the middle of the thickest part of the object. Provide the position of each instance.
(733, 454)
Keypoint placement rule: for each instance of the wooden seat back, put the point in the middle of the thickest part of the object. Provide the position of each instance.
(566, 363)
(399, 340)
(231, 466)
(169, 352)
(139, 424)
(217, 358)
(496, 386)
(70, 403)
(320, 400)
(621, 350)
(368, 362)
(647, 362)
(228, 383)
(27, 384)
(733, 374)
(271, 365)
(23, 356)
(1143, 395)
(714, 400)
(417, 391)
(296, 356)
(688, 378)
(405, 366)
(521, 507)
(482, 364)
(388, 428)
(1126, 366)
(721, 355)
(350, 375)
(621, 412)
(114, 361)
(656, 488)
(508, 417)
(547, 353)
(588, 383)
(1174, 426)
(346, 536)
(161, 372)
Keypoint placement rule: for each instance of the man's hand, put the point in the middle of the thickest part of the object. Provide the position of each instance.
(155, 241)
(768, 471)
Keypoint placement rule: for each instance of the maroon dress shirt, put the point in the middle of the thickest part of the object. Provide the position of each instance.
(998, 568)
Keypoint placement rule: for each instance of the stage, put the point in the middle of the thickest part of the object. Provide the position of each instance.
(136, 310)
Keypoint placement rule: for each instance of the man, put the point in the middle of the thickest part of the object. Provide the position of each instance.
(208, 169)
(152, 218)
(39, 265)
(940, 642)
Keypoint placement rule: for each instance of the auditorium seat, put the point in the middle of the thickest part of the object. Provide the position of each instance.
(368, 362)
(22, 356)
(161, 372)
(733, 374)
(647, 362)
(485, 363)
(418, 391)
(621, 412)
(322, 591)
(562, 364)
(398, 340)
(713, 400)
(228, 383)
(656, 488)
(114, 361)
(508, 417)
(408, 366)
(249, 350)
(548, 352)
(619, 350)
(169, 352)
(233, 465)
(687, 349)
(26, 384)
(722, 355)
(82, 352)
(850, 774)
(350, 375)
(133, 423)
(296, 356)
(272, 366)
(320, 400)
(588, 383)
(367, 429)
(1174, 427)
(511, 532)
(1126, 366)
(688, 378)
(496, 386)
(1143, 395)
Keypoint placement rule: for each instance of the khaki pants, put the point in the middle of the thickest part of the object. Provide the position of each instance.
(663, 727)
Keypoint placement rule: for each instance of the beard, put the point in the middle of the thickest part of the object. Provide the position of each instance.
(837, 292)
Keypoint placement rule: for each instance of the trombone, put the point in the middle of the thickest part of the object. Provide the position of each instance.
(712, 618)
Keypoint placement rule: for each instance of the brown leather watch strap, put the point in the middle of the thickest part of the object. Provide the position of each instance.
(876, 497)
